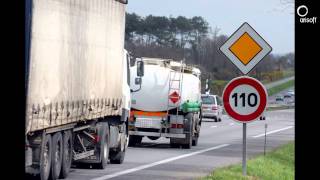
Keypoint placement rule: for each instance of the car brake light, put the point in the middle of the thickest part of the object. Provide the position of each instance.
(214, 108)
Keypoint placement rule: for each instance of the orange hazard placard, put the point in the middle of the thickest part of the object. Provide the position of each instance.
(174, 97)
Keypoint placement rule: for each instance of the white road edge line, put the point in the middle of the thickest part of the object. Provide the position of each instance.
(214, 126)
(274, 131)
(158, 163)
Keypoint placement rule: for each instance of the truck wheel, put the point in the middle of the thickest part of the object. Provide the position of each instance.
(117, 157)
(188, 129)
(104, 145)
(188, 142)
(56, 155)
(195, 140)
(134, 140)
(67, 154)
(197, 132)
(173, 143)
(45, 157)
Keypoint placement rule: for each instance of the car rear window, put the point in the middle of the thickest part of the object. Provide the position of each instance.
(208, 100)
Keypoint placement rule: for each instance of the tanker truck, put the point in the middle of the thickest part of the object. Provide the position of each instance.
(77, 85)
(167, 102)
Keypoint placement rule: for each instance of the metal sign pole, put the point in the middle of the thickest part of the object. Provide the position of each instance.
(244, 150)
(265, 138)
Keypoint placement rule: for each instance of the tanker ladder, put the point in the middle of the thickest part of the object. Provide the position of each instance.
(177, 89)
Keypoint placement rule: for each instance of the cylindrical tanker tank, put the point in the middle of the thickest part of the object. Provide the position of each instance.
(161, 79)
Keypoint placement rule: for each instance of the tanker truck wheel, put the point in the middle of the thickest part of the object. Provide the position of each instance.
(195, 140)
(173, 143)
(188, 129)
(117, 157)
(104, 135)
(134, 140)
(67, 154)
(196, 133)
(45, 157)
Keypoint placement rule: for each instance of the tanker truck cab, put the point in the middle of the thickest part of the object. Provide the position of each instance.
(167, 103)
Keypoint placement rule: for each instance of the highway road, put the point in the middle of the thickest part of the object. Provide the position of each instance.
(276, 83)
(220, 144)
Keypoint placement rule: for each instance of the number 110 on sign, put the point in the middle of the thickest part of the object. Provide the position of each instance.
(244, 99)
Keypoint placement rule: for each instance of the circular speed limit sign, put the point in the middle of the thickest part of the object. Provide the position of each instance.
(244, 99)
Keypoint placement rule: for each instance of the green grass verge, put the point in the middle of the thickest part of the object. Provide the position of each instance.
(277, 164)
(217, 86)
(280, 87)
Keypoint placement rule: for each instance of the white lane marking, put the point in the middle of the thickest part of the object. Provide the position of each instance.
(214, 126)
(231, 124)
(158, 163)
(274, 131)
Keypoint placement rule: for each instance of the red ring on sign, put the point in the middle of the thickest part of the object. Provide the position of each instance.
(255, 84)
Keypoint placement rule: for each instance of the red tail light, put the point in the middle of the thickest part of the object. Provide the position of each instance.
(214, 108)
(131, 119)
(177, 126)
(96, 138)
(180, 126)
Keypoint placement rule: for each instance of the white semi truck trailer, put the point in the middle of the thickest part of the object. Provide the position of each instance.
(167, 104)
(77, 85)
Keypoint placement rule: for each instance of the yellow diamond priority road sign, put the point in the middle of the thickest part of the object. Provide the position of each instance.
(245, 48)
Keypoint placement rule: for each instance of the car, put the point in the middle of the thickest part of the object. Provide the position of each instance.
(211, 107)
(279, 98)
(289, 94)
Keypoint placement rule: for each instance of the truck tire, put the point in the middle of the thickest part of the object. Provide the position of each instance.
(197, 133)
(195, 140)
(56, 156)
(67, 154)
(134, 140)
(104, 136)
(45, 157)
(188, 128)
(117, 157)
(173, 143)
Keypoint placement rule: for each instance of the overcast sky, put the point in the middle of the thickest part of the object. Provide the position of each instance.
(273, 20)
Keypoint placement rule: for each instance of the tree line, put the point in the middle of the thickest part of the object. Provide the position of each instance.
(191, 39)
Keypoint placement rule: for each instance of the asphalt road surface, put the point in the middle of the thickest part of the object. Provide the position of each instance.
(276, 83)
(220, 144)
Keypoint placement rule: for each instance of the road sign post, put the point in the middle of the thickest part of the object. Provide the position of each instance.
(244, 149)
(265, 138)
(245, 98)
